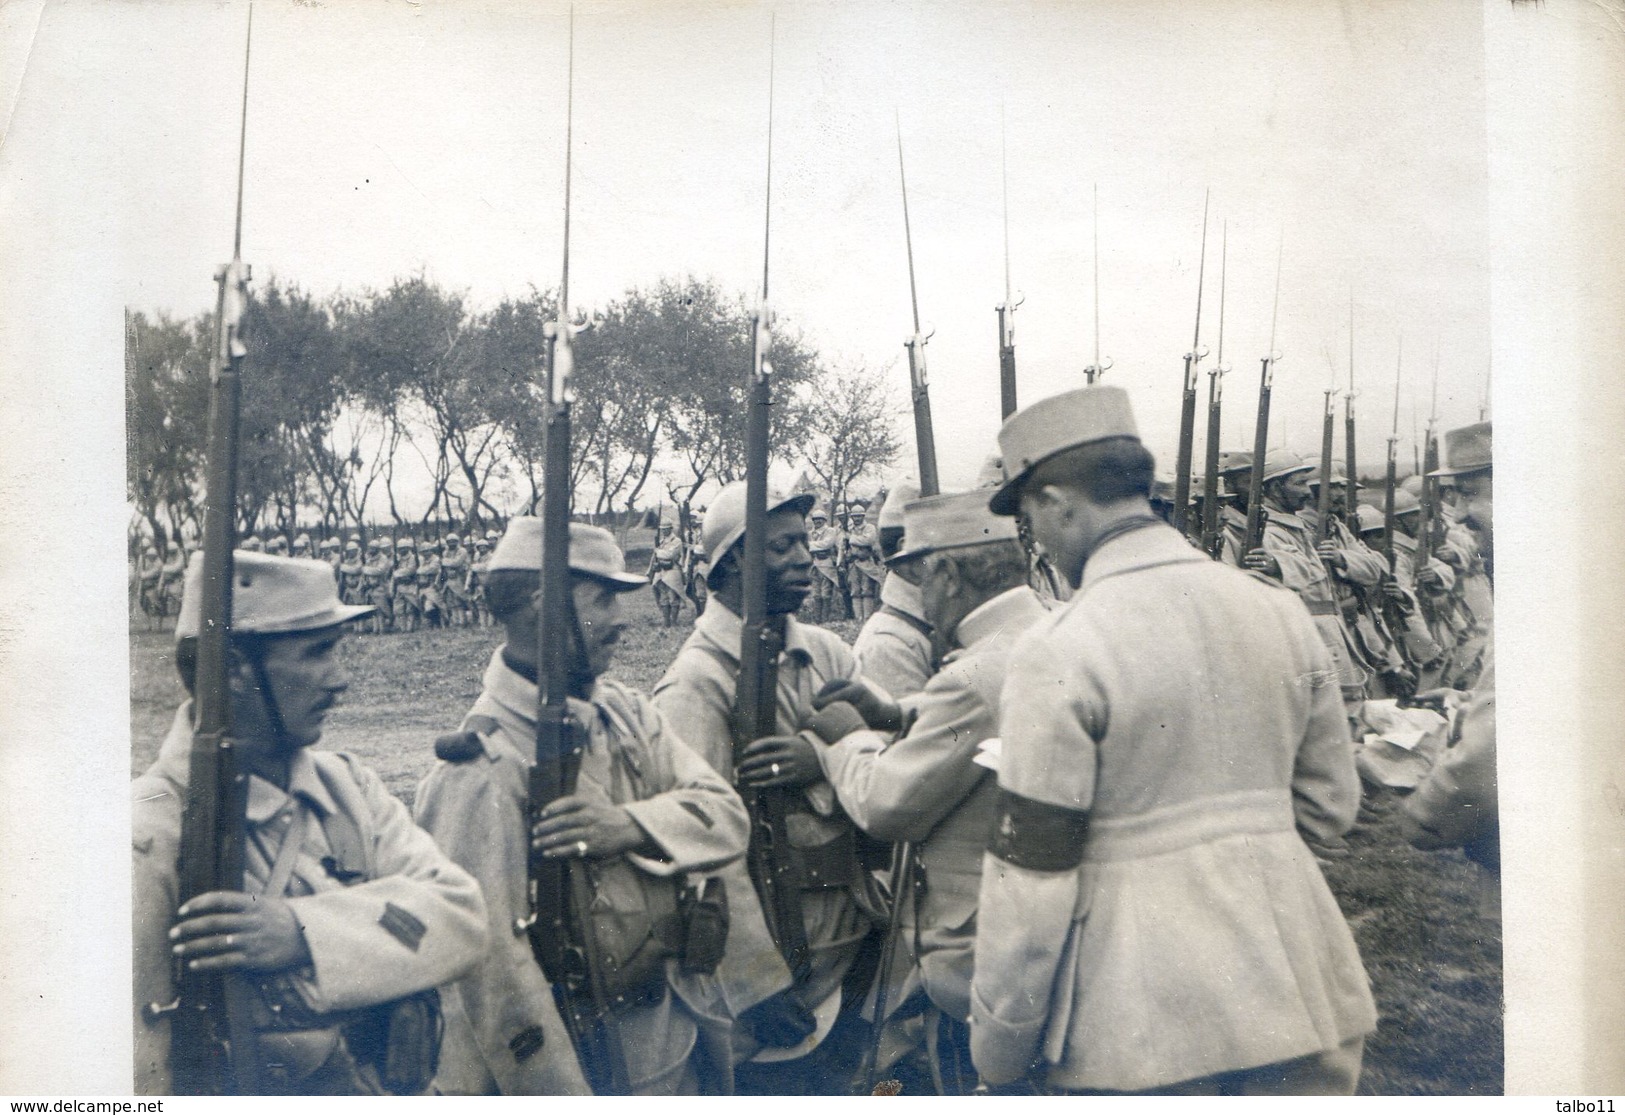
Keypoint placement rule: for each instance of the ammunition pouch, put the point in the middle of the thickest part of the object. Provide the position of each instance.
(636, 924)
(389, 1049)
(704, 910)
(832, 865)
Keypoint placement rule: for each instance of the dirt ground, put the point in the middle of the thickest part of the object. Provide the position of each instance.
(1435, 964)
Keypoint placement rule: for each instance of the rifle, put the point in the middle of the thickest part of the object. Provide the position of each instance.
(1210, 486)
(1006, 309)
(1353, 514)
(1187, 410)
(213, 1045)
(560, 891)
(1266, 383)
(1323, 522)
(773, 871)
(1097, 369)
(924, 440)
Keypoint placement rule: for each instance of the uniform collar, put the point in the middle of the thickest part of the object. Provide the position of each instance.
(517, 693)
(1015, 607)
(902, 596)
(719, 626)
(264, 799)
(1153, 545)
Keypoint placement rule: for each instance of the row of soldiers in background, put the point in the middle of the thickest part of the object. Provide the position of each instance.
(848, 564)
(1415, 622)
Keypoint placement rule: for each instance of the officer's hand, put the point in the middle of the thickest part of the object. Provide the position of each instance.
(780, 761)
(1261, 562)
(878, 711)
(226, 929)
(1330, 554)
(573, 826)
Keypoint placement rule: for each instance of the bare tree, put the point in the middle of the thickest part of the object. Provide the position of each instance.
(851, 428)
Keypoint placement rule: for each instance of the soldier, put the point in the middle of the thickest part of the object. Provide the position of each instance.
(347, 907)
(1236, 474)
(926, 788)
(149, 572)
(403, 586)
(1422, 647)
(350, 573)
(697, 697)
(277, 544)
(253, 544)
(171, 576)
(1368, 598)
(301, 545)
(431, 607)
(1457, 803)
(474, 586)
(374, 590)
(894, 649)
(698, 568)
(864, 570)
(328, 551)
(454, 566)
(647, 812)
(666, 573)
(1289, 554)
(824, 542)
(1149, 917)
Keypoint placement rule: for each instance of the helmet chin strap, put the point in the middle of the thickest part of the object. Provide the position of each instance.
(262, 682)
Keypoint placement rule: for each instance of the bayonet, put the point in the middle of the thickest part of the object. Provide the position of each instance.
(1187, 405)
(1215, 376)
(1006, 309)
(1266, 385)
(1097, 369)
(924, 439)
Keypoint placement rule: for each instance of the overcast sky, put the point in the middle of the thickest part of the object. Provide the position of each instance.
(388, 138)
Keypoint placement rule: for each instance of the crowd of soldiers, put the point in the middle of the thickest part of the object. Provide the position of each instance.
(1054, 819)
(411, 584)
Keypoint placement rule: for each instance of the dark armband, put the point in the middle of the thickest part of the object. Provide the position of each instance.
(1037, 836)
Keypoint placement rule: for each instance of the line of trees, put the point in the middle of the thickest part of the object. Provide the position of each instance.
(339, 392)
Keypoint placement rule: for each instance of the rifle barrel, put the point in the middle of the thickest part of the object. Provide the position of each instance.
(1187, 400)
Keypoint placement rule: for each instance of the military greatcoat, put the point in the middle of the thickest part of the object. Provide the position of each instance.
(1170, 731)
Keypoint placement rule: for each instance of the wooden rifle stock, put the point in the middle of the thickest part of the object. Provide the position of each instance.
(213, 1044)
(1323, 522)
(1255, 483)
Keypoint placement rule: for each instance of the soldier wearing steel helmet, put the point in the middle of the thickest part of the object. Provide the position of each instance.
(864, 567)
(455, 560)
(346, 908)
(1150, 919)
(375, 582)
(1457, 804)
(171, 574)
(301, 545)
(350, 566)
(479, 564)
(1288, 552)
(277, 544)
(925, 785)
(431, 604)
(403, 586)
(778, 1022)
(824, 542)
(666, 574)
(253, 544)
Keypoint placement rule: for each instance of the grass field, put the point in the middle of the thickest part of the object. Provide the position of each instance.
(1434, 963)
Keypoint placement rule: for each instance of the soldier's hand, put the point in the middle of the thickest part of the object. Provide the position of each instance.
(1261, 562)
(1330, 554)
(1392, 591)
(573, 826)
(780, 761)
(878, 711)
(1429, 577)
(226, 929)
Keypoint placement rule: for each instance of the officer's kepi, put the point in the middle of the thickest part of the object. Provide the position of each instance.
(270, 595)
(1034, 435)
(593, 553)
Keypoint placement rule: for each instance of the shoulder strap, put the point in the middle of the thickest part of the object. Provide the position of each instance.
(282, 870)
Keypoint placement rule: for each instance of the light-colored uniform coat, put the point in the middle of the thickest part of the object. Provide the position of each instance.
(411, 919)
(865, 570)
(1192, 711)
(926, 788)
(892, 652)
(1290, 540)
(476, 810)
(697, 696)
